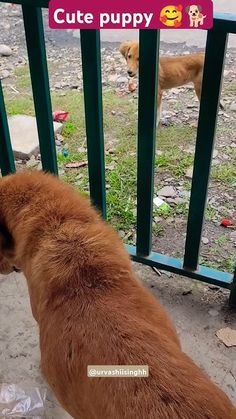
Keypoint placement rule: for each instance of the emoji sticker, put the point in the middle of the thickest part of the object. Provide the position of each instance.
(195, 16)
(171, 16)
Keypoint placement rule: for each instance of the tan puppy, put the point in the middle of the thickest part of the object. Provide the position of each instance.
(91, 310)
(195, 15)
(173, 71)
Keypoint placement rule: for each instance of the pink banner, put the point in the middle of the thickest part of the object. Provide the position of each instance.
(123, 14)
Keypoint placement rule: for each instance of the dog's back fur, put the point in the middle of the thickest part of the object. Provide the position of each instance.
(179, 70)
(91, 310)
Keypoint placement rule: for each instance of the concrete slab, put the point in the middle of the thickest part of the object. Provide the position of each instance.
(24, 135)
(197, 310)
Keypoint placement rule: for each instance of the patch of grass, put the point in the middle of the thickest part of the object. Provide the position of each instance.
(224, 173)
(121, 195)
(221, 240)
(164, 211)
(175, 162)
(210, 213)
(181, 209)
(226, 265)
(68, 129)
(230, 88)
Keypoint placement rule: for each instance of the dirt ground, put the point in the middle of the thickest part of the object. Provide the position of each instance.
(197, 310)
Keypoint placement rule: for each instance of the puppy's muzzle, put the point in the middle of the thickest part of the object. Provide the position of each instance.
(130, 73)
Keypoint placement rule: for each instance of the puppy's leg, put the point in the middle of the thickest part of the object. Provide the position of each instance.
(198, 85)
(198, 89)
(191, 23)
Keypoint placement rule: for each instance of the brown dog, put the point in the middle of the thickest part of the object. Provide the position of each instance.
(173, 71)
(91, 310)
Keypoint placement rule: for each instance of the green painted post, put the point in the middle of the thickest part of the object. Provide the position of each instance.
(147, 115)
(7, 163)
(213, 70)
(40, 85)
(232, 298)
(91, 64)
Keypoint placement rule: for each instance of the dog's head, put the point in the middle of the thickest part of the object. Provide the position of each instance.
(193, 10)
(130, 50)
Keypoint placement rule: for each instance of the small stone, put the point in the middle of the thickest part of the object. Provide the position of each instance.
(189, 173)
(233, 106)
(121, 234)
(205, 240)
(233, 235)
(167, 192)
(213, 313)
(112, 78)
(122, 80)
(215, 154)
(5, 50)
(4, 74)
(187, 292)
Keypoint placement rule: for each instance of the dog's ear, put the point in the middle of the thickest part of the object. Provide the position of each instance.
(187, 9)
(124, 48)
(199, 8)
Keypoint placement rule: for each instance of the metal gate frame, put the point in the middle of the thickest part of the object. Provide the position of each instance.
(91, 63)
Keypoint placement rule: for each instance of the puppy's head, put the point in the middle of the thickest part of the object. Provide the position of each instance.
(193, 10)
(130, 50)
(7, 264)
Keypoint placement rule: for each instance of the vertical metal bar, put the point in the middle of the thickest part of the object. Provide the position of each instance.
(211, 87)
(40, 84)
(147, 114)
(232, 298)
(7, 163)
(91, 64)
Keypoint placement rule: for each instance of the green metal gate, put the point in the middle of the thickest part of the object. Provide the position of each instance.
(91, 62)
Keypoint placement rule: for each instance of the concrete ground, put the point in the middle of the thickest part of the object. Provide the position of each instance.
(197, 310)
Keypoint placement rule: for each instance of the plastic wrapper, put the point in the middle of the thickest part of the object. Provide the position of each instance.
(17, 401)
(60, 116)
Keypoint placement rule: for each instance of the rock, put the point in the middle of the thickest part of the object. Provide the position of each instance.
(213, 313)
(233, 106)
(233, 235)
(215, 154)
(121, 234)
(185, 194)
(167, 192)
(4, 74)
(113, 78)
(5, 50)
(189, 173)
(122, 80)
(227, 336)
(24, 135)
(205, 240)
